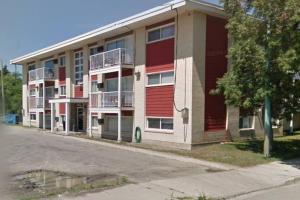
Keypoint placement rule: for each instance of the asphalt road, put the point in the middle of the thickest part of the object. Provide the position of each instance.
(28, 149)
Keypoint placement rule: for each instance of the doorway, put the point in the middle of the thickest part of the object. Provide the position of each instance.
(80, 118)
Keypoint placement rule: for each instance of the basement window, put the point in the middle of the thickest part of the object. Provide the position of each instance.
(32, 117)
(160, 123)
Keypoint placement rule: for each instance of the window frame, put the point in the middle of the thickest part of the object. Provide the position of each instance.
(80, 81)
(252, 124)
(160, 124)
(32, 114)
(32, 95)
(160, 79)
(160, 37)
(114, 41)
(94, 127)
(60, 91)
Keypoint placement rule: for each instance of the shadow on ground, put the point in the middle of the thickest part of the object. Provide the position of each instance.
(286, 149)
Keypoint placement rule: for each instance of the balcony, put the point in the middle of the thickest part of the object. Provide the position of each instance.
(110, 59)
(110, 99)
(41, 74)
(38, 103)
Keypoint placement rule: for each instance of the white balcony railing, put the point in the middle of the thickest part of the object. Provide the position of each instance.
(41, 73)
(110, 99)
(111, 58)
(38, 103)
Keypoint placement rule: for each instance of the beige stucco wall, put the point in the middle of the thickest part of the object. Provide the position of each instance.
(198, 77)
(25, 91)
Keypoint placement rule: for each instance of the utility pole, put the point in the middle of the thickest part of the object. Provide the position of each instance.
(268, 142)
(2, 90)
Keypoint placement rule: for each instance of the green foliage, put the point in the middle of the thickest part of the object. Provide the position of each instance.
(12, 92)
(263, 32)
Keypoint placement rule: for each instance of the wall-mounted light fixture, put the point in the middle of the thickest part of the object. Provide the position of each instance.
(137, 75)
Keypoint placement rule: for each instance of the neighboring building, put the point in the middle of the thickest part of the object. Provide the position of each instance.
(153, 70)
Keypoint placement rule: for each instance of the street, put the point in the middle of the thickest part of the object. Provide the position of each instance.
(26, 150)
(151, 177)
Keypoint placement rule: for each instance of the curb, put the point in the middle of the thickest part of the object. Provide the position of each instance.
(290, 181)
(151, 152)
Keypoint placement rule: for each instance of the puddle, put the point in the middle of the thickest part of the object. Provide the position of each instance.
(45, 184)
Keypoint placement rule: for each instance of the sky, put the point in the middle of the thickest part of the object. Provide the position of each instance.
(29, 25)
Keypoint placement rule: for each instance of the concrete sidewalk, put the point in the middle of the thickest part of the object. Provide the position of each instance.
(227, 184)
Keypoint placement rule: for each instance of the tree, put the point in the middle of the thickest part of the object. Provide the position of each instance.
(264, 57)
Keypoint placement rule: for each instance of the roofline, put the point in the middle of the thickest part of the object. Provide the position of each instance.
(115, 25)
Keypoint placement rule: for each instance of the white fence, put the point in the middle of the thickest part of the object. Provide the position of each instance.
(41, 73)
(111, 58)
(110, 99)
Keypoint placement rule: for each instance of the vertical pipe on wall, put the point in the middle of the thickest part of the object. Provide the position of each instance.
(119, 103)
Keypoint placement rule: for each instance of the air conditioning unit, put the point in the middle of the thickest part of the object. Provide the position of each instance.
(56, 90)
(100, 86)
(100, 121)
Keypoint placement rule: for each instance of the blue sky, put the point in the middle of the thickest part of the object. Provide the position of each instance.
(28, 25)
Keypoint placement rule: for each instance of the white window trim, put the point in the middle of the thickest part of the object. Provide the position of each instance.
(79, 83)
(60, 90)
(160, 84)
(156, 129)
(252, 126)
(160, 27)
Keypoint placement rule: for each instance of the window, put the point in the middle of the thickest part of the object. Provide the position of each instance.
(112, 84)
(246, 122)
(31, 67)
(161, 79)
(78, 58)
(32, 92)
(94, 121)
(115, 44)
(63, 90)
(49, 64)
(95, 50)
(160, 123)
(161, 33)
(62, 61)
(32, 117)
(94, 86)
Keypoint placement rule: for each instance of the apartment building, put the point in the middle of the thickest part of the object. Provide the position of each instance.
(151, 72)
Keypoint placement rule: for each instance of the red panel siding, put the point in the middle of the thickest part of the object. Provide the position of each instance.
(94, 77)
(160, 56)
(125, 72)
(94, 114)
(159, 101)
(62, 75)
(62, 108)
(216, 66)
(78, 91)
(32, 86)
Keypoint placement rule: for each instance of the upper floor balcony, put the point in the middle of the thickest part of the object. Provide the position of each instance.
(42, 74)
(110, 99)
(110, 60)
(38, 103)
